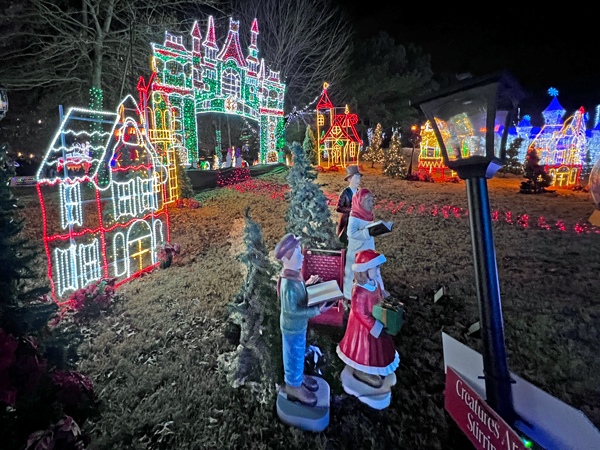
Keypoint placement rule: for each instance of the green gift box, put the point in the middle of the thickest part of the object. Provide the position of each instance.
(390, 313)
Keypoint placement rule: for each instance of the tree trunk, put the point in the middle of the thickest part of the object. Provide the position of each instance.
(97, 65)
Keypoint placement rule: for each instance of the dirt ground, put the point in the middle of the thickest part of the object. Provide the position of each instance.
(154, 358)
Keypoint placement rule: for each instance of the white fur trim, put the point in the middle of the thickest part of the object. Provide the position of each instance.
(383, 371)
(376, 330)
(369, 264)
(369, 287)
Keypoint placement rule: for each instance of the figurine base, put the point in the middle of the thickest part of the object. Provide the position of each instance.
(375, 398)
(315, 418)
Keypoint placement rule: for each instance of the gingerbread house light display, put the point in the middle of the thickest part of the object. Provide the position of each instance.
(101, 186)
(338, 141)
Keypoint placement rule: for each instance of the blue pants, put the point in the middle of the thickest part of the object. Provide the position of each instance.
(294, 348)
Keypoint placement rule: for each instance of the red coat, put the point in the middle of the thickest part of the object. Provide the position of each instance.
(359, 348)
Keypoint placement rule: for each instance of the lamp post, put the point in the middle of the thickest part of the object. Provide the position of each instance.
(471, 122)
(415, 139)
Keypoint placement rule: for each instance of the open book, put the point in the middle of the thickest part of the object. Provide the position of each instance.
(328, 291)
(379, 227)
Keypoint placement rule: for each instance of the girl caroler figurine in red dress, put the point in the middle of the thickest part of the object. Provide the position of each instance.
(368, 352)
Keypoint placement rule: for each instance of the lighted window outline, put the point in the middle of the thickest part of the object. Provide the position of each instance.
(320, 120)
(145, 195)
(65, 261)
(140, 252)
(231, 83)
(70, 198)
(158, 234)
(124, 200)
(174, 68)
(120, 254)
(89, 263)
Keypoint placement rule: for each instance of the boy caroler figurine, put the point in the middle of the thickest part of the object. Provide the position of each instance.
(294, 320)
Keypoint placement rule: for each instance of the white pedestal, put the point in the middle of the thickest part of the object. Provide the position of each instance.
(315, 418)
(375, 398)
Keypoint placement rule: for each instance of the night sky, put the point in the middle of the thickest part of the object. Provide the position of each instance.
(553, 47)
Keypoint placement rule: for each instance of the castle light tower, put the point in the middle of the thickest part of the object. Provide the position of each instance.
(196, 38)
(253, 50)
(210, 46)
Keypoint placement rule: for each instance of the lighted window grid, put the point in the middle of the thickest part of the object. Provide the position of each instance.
(71, 211)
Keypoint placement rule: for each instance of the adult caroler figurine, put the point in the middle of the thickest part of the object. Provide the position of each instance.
(367, 351)
(293, 321)
(344, 206)
(358, 237)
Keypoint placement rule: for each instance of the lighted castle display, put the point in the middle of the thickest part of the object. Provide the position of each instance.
(188, 83)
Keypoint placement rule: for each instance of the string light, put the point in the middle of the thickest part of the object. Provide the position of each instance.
(129, 216)
(216, 83)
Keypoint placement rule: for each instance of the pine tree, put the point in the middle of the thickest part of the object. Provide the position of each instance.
(257, 360)
(394, 164)
(184, 184)
(16, 258)
(308, 215)
(513, 165)
(310, 146)
(374, 152)
(535, 174)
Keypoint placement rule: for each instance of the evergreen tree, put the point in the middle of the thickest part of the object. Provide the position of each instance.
(16, 259)
(374, 152)
(513, 165)
(184, 184)
(308, 215)
(535, 174)
(310, 146)
(257, 360)
(394, 164)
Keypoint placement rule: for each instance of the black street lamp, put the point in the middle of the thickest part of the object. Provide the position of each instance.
(471, 122)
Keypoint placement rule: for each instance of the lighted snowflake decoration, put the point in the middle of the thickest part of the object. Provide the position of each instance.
(553, 92)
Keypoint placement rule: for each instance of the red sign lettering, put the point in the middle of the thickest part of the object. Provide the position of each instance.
(482, 425)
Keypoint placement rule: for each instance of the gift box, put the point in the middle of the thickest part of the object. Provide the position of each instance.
(390, 313)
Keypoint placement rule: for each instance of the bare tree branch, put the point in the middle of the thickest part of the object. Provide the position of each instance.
(49, 43)
(309, 41)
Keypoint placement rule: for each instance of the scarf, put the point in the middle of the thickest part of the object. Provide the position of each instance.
(294, 275)
(357, 209)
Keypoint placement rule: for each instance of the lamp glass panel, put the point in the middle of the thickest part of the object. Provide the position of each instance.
(462, 121)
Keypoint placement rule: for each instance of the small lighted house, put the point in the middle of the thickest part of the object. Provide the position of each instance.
(561, 145)
(101, 188)
(430, 157)
(338, 141)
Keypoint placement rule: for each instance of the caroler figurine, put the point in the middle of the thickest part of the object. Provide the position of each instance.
(344, 205)
(366, 349)
(304, 402)
(359, 237)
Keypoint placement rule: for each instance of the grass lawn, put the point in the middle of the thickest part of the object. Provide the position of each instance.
(153, 358)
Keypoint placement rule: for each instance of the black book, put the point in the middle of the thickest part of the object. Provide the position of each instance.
(380, 227)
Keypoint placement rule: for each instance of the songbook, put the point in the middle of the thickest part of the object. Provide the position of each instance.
(380, 227)
(329, 291)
